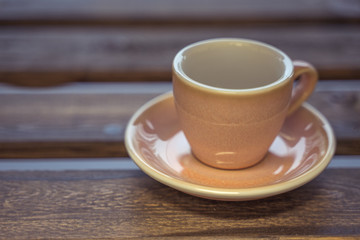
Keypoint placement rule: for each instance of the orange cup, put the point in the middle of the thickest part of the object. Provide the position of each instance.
(233, 95)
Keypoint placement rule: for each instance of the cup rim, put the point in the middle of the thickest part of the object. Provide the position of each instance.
(288, 72)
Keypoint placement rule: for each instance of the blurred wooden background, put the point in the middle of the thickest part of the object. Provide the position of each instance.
(46, 42)
(54, 42)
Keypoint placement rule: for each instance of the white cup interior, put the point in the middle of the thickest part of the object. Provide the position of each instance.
(233, 64)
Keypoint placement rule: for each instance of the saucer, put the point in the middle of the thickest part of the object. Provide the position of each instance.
(301, 151)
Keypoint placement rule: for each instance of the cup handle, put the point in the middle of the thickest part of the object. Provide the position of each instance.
(304, 86)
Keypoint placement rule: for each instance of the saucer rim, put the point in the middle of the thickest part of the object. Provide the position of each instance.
(229, 194)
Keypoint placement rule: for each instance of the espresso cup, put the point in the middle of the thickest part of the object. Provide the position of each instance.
(233, 95)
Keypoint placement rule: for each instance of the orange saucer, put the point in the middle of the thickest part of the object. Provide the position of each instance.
(300, 152)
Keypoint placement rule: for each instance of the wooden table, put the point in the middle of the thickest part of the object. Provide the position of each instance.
(73, 72)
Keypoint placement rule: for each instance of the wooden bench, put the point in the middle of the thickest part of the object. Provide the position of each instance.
(72, 73)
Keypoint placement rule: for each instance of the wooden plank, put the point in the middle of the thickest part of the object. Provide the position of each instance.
(165, 12)
(48, 56)
(123, 163)
(122, 12)
(75, 122)
(128, 204)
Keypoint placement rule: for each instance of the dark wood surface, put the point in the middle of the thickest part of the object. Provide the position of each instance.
(128, 204)
(73, 72)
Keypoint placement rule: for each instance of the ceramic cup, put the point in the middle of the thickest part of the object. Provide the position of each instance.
(233, 95)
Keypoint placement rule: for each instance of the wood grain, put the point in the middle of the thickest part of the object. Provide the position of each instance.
(53, 55)
(119, 204)
(83, 120)
(47, 43)
(165, 12)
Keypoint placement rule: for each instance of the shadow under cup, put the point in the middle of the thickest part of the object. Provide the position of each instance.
(231, 97)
